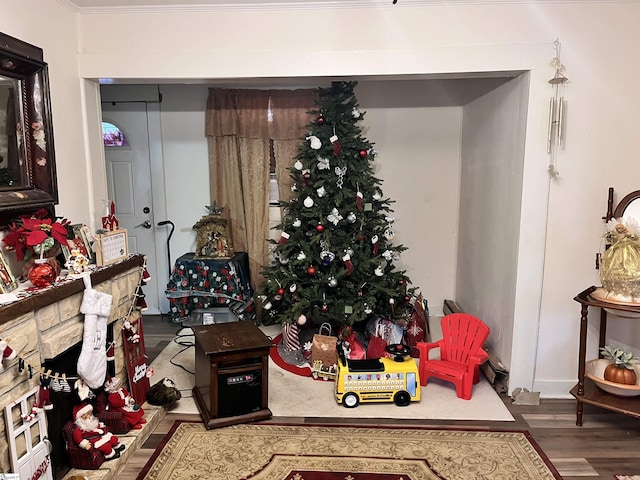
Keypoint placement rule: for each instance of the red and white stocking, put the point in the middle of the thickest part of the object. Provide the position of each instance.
(6, 353)
(374, 241)
(348, 264)
(290, 338)
(337, 148)
(284, 237)
(359, 204)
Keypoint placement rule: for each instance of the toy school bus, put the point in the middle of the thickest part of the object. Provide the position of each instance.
(378, 380)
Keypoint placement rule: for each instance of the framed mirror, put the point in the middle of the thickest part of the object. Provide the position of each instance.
(27, 161)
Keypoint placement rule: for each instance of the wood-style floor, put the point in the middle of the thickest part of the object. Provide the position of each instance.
(606, 444)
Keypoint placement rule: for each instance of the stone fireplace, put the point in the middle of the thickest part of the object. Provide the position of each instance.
(46, 329)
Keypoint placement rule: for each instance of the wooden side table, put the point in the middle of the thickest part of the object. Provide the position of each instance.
(232, 362)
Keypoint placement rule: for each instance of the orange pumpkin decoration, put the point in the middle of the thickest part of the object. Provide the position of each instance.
(618, 374)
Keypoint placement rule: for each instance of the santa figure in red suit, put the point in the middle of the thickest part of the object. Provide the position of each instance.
(120, 400)
(89, 432)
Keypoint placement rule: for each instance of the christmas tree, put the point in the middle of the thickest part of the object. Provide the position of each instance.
(335, 259)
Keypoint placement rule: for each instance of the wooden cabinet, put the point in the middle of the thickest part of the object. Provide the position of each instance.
(232, 375)
(586, 391)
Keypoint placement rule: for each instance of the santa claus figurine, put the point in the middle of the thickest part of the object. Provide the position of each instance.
(120, 400)
(90, 433)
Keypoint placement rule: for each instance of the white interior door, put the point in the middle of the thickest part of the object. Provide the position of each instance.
(28, 440)
(130, 181)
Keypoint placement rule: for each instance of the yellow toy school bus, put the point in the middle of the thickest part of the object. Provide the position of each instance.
(378, 380)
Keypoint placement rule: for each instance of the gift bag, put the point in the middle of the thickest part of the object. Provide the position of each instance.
(418, 325)
(324, 346)
(351, 346)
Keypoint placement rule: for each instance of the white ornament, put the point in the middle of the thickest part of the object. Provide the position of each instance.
(321, 192)
(277, 297)
(294, 188)
(297, 222)
(324, 164)
(298, 165)
(292, 288)
(367, 309)
(314, 142)
(267, 306)
(302, 319)
(351, 218)
(390, 219)
(284, 260)
(379, 272)
(308, 202)
(355, 113)
(387, 255)
(377, 195)
(301, 255)
(333, 282)
(334, 217)
(389, 234)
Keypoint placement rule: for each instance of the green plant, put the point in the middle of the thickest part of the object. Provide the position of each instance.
(621, 358)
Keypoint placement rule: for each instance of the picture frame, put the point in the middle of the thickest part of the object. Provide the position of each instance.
(8, 282)
(111, 247)
(81, 242)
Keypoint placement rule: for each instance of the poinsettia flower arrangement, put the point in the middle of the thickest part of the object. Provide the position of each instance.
(36, 234)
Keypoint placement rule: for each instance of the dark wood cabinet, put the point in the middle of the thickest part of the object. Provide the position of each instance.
(586, 391)
(232, 376)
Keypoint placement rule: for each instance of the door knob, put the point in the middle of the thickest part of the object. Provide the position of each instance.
(145, 224)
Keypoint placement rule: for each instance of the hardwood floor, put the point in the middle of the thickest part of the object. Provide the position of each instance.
(605, 445)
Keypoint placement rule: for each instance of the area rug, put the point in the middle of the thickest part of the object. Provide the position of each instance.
(302, 452)
(315, 398)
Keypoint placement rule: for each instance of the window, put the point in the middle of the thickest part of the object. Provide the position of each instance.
(112, 136)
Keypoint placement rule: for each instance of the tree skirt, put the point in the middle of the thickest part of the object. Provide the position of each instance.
(288, 452)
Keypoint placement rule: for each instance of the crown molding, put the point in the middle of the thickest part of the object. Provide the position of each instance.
(95, 7)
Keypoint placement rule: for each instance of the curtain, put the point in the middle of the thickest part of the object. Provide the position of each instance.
(240, 126)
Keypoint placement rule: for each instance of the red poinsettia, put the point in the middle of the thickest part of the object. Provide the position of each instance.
(35, 233)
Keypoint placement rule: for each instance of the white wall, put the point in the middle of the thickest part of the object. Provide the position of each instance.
(598, 46)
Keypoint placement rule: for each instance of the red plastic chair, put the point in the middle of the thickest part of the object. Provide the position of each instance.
(461, 353)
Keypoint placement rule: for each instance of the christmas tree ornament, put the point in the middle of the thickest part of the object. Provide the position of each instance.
(351, 217)
(355, 113)
(311, 270)
(389, 234)
(334, 217)
(327, 257)
(387, 255)
(280, 291)
(302, 319)
(321, 192)
(314, 142)
(292, 287)
(402, 282)
(308, 202)
(374, 241)
(379, 271)
(301, 256)
(319, 228)
(332, 282)
(298, 165)
(337, 148)
(284, 237)
(267, 306)
(359, 198)
(340, 172)
(348, 264)
(367, 309)
(363, 153)
(376, 195)
(294, 188)
(320, 120)
(306, 176)
(297, 222)
(324, 163)
(324, 308)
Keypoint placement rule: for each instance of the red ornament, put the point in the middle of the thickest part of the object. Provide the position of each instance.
(307, 176)
(319, 228)
(280, 291)
(320, 120)
(311, 270)
(324, 308)
(407, 298)
(401, 282)
(363, 153)
(42, 274)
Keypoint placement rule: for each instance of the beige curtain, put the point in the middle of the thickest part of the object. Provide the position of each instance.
(239, 130)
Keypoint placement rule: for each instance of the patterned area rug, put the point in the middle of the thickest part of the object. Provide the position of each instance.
(302, 452)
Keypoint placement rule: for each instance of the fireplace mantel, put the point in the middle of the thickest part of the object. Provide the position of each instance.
(66, 289)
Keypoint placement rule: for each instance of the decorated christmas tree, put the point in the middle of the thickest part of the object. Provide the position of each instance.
(335, 258)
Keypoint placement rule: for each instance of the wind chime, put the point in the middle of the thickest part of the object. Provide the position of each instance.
(556, 112)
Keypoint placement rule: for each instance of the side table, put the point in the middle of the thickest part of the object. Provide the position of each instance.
(231, 385)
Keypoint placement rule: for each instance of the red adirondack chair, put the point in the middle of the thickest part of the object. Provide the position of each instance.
(461, 353)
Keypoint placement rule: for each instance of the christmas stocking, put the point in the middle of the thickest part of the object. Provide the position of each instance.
(348, 263)
(92, 362)
(6, 353)
(337, 148)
